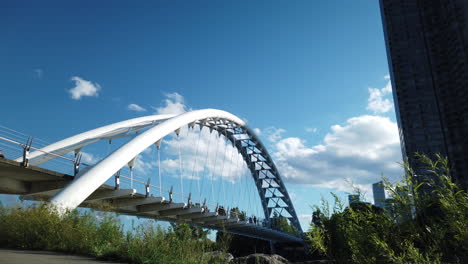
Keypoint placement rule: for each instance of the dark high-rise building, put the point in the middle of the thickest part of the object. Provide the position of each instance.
(427, 48)
(379, 194)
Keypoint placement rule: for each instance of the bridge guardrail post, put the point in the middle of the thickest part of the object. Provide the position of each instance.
(170, 194)
(147, 188)
(76, 164)
(26, 149)
(205, 208)
(117, 180)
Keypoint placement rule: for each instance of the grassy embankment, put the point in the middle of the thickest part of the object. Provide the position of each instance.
(100, 235)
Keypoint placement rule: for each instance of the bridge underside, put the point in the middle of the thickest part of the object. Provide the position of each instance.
(34, 183)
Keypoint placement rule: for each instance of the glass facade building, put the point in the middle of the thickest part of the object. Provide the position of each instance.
(427, 48)
(379, 194)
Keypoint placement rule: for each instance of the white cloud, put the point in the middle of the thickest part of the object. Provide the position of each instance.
(311, 129)
(359, 150)
(274, 134)
(135, 107)
(376, 102)
(305, 217)
(257, 131)
(83, 88)
(88, 158)
(173, 104)
(387, 77)
(143, 167)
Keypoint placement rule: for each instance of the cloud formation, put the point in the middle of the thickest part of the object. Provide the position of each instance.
(83, 88)
(257, 131)
(89, 158)
(376, 102)
(273, 134)
(135, 107)
(173, 104)
(360, 150)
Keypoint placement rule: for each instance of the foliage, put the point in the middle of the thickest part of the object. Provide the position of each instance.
(236, 212)
(426, 221)
(282, 224)
(100, 235)
(185, 231)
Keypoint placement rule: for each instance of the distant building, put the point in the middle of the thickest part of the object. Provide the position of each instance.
(427, 48)
(353, 198)
(379, 194)
(400, 206)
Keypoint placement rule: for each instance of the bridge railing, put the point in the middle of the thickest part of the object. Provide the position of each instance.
(14, 144)
(11, 148)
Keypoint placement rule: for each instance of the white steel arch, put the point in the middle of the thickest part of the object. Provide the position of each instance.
(271, 189)
(75, 143)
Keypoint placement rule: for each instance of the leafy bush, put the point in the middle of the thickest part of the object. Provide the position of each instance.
(426, 222)
(100, 235)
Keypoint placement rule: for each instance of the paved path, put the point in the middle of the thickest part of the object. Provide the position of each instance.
(12, 256)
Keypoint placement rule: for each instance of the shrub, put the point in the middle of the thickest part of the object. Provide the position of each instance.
(427, 222)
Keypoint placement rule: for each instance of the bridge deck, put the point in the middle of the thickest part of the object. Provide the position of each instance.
(34, 183)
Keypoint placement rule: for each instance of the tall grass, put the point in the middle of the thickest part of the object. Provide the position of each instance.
(100, 235)
(426, 222)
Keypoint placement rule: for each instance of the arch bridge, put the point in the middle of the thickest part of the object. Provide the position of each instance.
(100, 185)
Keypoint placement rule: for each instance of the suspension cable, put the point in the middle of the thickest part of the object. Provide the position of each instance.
(214, 168)
(248, 195)
(205, 165)
(222, 172)
(180, 164)
(195, 163)
(159, 168)
(236, 171)
(230, 168)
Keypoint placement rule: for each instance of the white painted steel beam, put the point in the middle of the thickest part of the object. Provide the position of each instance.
(78, 141)
(76, 192)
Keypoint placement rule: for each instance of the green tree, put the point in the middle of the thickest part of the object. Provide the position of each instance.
(236, 212)
(282, 224)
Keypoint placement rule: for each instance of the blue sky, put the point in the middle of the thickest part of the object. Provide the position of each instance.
(309, 76)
